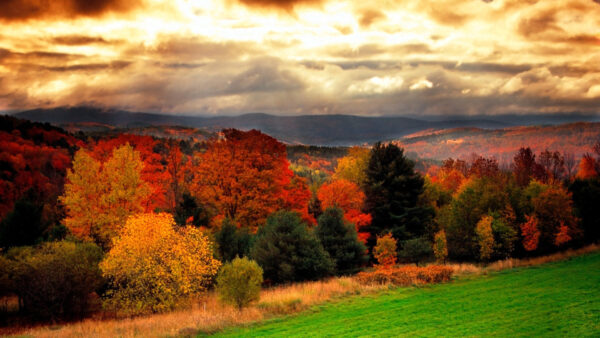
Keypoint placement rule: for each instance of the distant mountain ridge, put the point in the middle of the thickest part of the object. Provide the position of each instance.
(304, 129)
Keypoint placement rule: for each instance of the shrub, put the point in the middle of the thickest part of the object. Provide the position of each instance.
(22, 226)
(54, 280)
(407, 275)
(385, 251)
(232, 241)
(239, 282)
(440, 247)
(340, 240)
(288, 252)
(153, 266)
(416, 249)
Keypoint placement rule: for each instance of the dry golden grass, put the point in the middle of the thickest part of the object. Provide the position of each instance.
(209, 315)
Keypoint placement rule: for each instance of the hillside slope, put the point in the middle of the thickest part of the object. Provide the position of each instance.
(557, 299)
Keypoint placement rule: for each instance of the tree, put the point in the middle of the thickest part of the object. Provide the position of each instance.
(54, 280)
(562, 236)
(525, 167)
(392, 190)
(153, 266)
(587, 167)
(340, 240)
(385, 251)
(416, 249)
(232, 241)
(239, 282)
(245, 177)
(530, 233)
(570, 165)
(188, 212)
(347, 196)
(485, 237)
(440, 248)
(288, 252)
(586, 194)
(22, 226)
(99, 198)
(353, 166)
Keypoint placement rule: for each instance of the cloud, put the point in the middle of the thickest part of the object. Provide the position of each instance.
(286, 5)
(369, 16)
(18, 10)
(75, 40)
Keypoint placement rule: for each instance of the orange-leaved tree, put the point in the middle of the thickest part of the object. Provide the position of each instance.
(530, 233)
(245, 177)
(485, 237)
(99, 197)
(385, 251)
(350, 198)
(154, 265)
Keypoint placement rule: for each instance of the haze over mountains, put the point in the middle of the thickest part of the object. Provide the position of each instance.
(306, 129)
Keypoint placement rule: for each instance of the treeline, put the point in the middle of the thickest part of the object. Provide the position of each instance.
(147, 224)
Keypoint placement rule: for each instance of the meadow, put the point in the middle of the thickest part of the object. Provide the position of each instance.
(555, 299)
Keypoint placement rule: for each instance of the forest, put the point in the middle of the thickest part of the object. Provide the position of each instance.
(147, 224)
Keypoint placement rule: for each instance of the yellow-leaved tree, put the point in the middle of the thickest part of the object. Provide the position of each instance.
(153, 265)
(99, 197)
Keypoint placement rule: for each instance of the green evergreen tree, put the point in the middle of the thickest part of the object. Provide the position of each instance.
(392, 188)
(288, 252)
(340, 240)
(232, 241)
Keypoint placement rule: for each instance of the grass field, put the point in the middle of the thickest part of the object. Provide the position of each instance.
(555, 299)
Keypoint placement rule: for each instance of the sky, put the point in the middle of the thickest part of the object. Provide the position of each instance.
(296, 57)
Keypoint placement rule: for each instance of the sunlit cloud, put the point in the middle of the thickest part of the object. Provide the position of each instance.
(302, 57)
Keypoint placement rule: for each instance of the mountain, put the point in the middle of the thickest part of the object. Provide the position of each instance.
(305, 129)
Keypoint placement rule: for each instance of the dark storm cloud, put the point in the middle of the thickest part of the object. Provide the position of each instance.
(286, 5)
(75, 40)
(19, 10)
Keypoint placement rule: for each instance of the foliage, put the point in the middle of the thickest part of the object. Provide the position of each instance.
(288, 252)
(232, 242)
(562, 237)
(385, 251)
(586, 194)
(153, 265)
(347, 196)
(353, 166)
(485, 237)
(99, 197)
(23, 226)
(530, 233)
(54, 280)
(587, 167)
(340, 240)
(188, 212)
(392, 190)
(245, 177)
(440, 247)
(416, 249)
(239, 282)
(407, 275)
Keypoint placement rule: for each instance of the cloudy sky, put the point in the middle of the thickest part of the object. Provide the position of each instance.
(396, 57)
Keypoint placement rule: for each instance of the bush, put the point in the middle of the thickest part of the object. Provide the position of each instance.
(288, 252)
(416, 249)
(54, 280)
(22, 226)
(407, 275)
(340, 240)
(232, 242)
(153, 266)
(385, 251)
(239, 282)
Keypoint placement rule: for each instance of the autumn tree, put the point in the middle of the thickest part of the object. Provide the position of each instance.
(99, 198)
(392, 190)
(525, 167)
(154, 265)
(385, 251)
(245, 177)
(353, 166)
(440, 247)
(587, 167)
(484, 167)
(340, 240)
(485, 237)
(349, 197)
(530, 233)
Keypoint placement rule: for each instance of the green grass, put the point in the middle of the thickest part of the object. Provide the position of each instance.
(557, 299)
